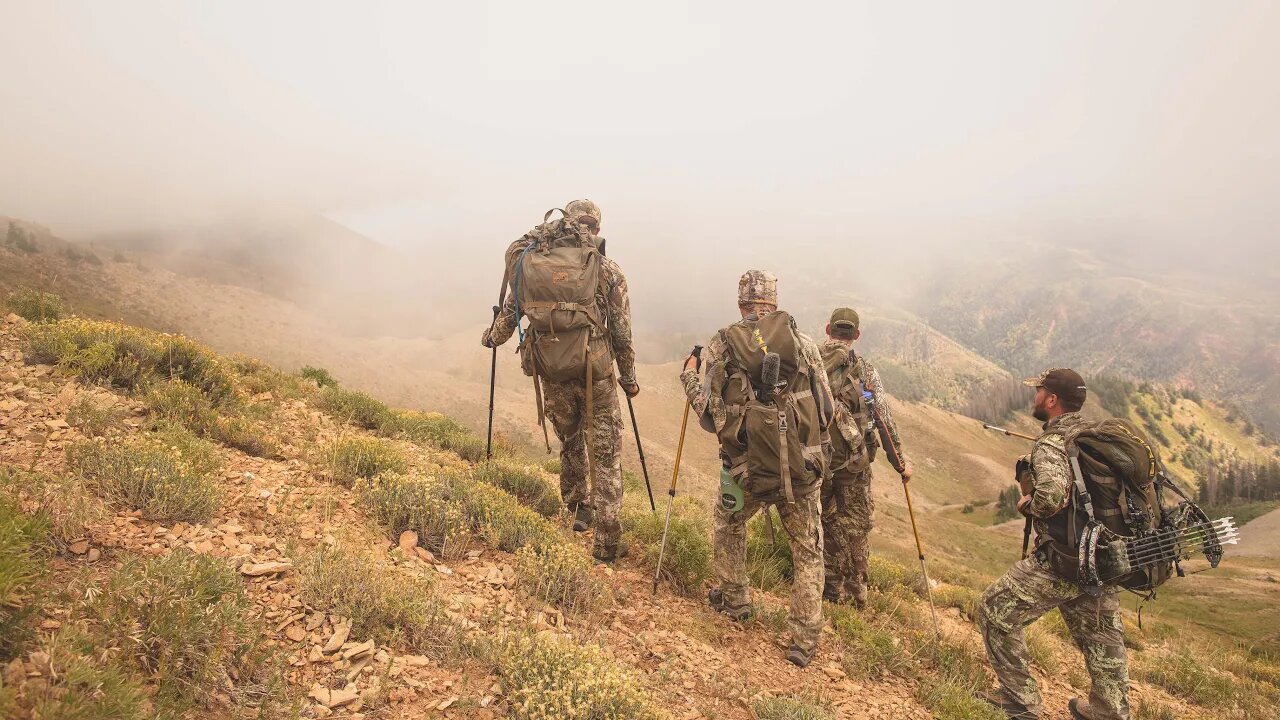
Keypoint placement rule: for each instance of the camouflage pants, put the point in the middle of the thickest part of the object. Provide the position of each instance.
(846, 521)
(565, 404)
(803, 524)
(1028, 591)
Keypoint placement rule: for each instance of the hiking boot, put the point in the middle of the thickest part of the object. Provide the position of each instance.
(611, 553)
(799, 657)
(1011, 710)
(717, 601)
(581, 517)
(1080, 709)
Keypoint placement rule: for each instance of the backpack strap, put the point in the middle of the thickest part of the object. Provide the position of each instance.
(784, 463)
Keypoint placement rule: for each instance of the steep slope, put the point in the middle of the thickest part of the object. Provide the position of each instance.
(351, 622)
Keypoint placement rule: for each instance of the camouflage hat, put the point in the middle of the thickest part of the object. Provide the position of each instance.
(1063, 382)
(758, 286)
(844, 317)
(577, 210)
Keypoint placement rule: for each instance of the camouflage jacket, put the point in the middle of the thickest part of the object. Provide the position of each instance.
(871, 382)
(612, 301)
(706, 394)
(1051, 473)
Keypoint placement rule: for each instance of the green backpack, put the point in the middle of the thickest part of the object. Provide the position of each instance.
(772, 442)
(848, 442)
(1120, 528)
(555, 274)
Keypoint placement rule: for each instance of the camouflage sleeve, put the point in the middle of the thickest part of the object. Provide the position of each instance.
(822, 394)
(706, 394)
(1051, 475)
(506, 322)
(871, 380)
(618, 309)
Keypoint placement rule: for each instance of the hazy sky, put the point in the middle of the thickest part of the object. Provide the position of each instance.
(695, 125)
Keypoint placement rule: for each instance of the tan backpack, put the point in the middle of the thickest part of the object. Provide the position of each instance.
(848, 441)
(554, 277)
(772, 441)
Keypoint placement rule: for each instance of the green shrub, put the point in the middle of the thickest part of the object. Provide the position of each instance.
(438, 431)
(560, 575)
(357, 457)
(319, 376)
(21, 569)
(686, 563)
(356, 408)
(36, 306)
(257, 377)
(67, 508)
(469, 447)
(244, 435)
(871, 650)
(525, 482)
(180, 358)
(94, 418)
(551, 679)
(380, 602)
(82, 686)
(180, 403)
(768, 559)
(123, 356)
(169, 476)
(790, 708)
(183, 618)
(448, 511)
(884, 575)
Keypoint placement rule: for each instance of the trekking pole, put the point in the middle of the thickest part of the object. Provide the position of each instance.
(675, 475)
(644, 469)
(1026, 527)
(493, 380)
(895, 459)
(1010, 433)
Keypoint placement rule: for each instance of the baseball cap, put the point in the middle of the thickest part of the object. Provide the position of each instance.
(844, 317)
(1063, 382)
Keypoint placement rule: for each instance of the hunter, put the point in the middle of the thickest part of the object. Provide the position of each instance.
(579, 325)
(847, 505)
(1046, 579)
(765, 395)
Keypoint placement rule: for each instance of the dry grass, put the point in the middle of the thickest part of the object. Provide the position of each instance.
(560, 575)
(184, 619)
(360, 457)
(451, 511)
(22, 566)
(380, 602)
(550, 679)
(36, 306)
(169, 476)
(687, 562)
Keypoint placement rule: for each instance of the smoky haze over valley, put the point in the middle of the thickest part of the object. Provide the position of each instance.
(867, 154)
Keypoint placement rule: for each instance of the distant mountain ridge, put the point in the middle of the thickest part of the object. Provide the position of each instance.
(1054, 307)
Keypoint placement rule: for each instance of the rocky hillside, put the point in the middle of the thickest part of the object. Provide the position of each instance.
(187, 534)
